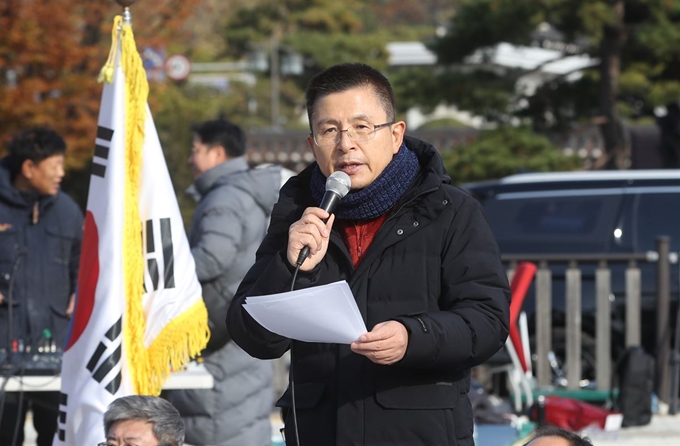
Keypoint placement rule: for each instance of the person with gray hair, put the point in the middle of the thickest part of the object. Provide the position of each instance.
(143, 420)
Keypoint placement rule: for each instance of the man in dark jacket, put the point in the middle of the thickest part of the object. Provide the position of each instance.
(230, 221)
(422, 264)
(40, 237)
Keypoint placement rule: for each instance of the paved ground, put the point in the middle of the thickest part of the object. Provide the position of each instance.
(664, 430)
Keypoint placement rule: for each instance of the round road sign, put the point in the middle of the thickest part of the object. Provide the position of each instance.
(177, 67)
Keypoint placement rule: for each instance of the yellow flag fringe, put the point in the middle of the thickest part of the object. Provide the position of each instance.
(136, 93)
(172, 346)
(187, 334)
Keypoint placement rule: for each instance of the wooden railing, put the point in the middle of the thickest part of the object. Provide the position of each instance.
(662, 258)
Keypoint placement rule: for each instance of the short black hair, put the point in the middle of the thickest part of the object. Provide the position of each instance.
(549, 430)
(221, 132)
(346, 76)
(35, 144)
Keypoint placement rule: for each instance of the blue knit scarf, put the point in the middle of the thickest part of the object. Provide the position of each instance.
(379, 196)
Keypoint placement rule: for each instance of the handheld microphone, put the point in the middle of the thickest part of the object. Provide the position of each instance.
(338, 185)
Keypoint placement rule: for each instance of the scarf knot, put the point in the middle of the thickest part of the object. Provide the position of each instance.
(379, 196)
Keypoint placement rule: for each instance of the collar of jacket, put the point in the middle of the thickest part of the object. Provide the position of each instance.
(422, 203)
(295, 195)
(207, 179)
(431, 176)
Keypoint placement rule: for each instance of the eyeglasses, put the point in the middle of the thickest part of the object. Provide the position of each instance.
(358, 133)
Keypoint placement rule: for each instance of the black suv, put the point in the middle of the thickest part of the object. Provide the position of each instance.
(588, 212)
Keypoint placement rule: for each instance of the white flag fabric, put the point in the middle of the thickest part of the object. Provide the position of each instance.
(139, 311)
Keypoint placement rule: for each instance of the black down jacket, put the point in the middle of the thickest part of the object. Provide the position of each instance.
(435, 267)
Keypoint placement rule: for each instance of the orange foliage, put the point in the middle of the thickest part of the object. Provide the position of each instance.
(51, 52)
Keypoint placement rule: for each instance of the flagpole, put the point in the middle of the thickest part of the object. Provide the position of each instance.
(127, 16)
(130, 328)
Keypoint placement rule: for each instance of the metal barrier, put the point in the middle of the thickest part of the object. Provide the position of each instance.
(662, 257)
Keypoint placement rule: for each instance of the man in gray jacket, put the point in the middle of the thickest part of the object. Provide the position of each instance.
(230, 221)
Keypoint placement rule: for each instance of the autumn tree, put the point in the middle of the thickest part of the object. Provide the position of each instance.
(50, 56)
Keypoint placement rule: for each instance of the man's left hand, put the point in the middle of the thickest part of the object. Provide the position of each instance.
(385, 344)
(71, 305)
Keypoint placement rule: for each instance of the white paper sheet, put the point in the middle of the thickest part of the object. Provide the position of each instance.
(326, 313)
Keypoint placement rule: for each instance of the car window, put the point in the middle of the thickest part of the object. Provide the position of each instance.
(559, 223)
(657, 214)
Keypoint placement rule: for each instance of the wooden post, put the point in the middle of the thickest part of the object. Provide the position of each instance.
(543, 323)
(573, 328)
(663, 334)
(603, 327)
(633, 296)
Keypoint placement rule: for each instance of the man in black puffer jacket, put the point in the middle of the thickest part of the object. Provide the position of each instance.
(422, 264)
(40, 236)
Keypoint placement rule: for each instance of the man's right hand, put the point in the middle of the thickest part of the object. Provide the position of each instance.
(310, 231)
(2, 299)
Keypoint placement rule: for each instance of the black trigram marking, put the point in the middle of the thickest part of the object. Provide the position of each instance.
(168, 255)
(104, 133)
(108, 365)
(151, 264)
(94, 359)
(167, 252)
(143, 250)
(102, 150)
(100, 364)
(114, 385)
(63, 402)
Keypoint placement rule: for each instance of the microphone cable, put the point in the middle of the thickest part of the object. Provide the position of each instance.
(15, 436)
(14, 371)
(6, 375)
(292, 378)
(10, 304)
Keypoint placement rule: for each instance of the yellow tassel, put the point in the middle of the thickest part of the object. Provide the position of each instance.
(106, 73)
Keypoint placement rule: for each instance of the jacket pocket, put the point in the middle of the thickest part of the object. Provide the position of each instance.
(59, 246)
(463, 420)
(414, 393)
(307, 396)
(8, 244)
